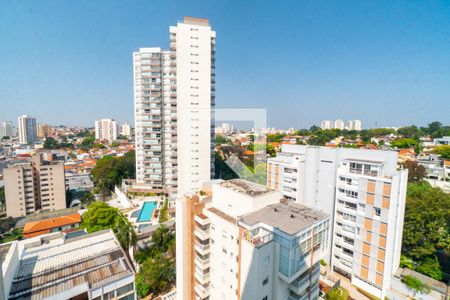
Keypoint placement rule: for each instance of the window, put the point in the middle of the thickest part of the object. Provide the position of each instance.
(377, 211)
(265, 281)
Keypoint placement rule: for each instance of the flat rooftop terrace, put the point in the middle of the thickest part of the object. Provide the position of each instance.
(290, 218)
(245, 187)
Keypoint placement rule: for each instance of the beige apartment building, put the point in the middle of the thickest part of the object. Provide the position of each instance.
(33, 186)
(240, 240)
(44, 131)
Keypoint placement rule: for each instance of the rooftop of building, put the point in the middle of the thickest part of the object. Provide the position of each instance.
(196, 21)
(53, 263)
(287, 217)
(34, 228)
(245, 187)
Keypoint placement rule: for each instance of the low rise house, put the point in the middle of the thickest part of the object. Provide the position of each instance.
(63, 223)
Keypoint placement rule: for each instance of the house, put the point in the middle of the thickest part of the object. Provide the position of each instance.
(63, 223)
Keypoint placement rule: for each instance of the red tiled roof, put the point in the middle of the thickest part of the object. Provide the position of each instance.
(40, 227)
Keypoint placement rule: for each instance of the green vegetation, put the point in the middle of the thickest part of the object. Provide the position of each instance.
(101, 216)
(426, 230)
(338, 293)
(109, 171)
(2, 198)
(51, 143)
(86, 197)
(164, 213)
(443, 151)
(323, 263)
(220, 140)
(415, 284)
(157, 263)
(15, 234)
(416, 172)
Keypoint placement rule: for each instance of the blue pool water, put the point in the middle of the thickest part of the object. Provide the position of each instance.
(146, 211)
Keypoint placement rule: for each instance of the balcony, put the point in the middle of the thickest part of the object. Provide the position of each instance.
(300, 285)
(202, 277)
(202, 220)
(202, 248)
(202, 263)
(201, 234)
(201, 291)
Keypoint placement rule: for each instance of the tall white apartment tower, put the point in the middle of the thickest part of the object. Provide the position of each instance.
(174, 101)
(106, 129)
(27, 129)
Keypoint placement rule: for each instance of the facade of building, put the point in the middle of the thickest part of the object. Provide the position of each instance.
(174, 100)
(327, 124)
(106, 130)
(243, 243)
(354, 125)
(78, 181)
(44, 130)
(339, 124)
(125, 129)
(67, 266)
(33, 186)
(364, 192)
(27, 129)
(6, 129)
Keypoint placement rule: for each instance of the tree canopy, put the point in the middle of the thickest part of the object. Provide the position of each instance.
(426, 230)
(443, 150)
(101, 216)
(109, 171)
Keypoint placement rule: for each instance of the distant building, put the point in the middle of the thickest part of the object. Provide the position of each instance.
(339, 124)
(78, 181)
(106, 130)
(33, 186)
(27, 129)
(74, 266)
(44, 130)
(6, 129)
(326, 124)
(442, 141)
(243, 243)
(125, 130)
(354, 125)
(63, 223)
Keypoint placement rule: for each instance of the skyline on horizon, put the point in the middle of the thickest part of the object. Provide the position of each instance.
(386, 54)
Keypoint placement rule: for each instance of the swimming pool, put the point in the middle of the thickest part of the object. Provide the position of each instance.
(146, 211)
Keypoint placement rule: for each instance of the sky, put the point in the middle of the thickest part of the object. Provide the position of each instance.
(386, 63)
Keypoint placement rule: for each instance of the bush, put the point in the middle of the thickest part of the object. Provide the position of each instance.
(415, 284)
(323, 263)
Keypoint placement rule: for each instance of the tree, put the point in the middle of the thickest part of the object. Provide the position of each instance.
(430, 267)
(109, 171)
(2, 198)
(443, 151)
(426, 229)
(50, 143)
(158, 273)
(164, 213)
(416, 172)
(101, 216)
(409, 132)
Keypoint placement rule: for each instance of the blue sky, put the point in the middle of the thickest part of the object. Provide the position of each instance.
(69, 62)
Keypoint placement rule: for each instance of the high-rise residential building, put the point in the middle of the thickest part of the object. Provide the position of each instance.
(365, 193)
(339, 124)
(44, 130)
(72, 265)
(33, 186)
(354, 125)
(125, 129)
(326, 124)
(6, 129)
(174, 92)
(27, 129)
(244, 242)
(106, 130)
